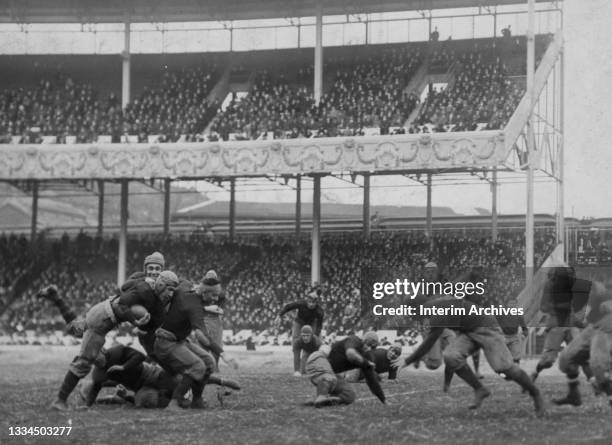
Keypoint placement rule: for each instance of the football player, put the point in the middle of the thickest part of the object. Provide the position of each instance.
(589, 345)
(325, 370)
(106, 315)
(474, 332)
(385, 361)
(564, 300)
(309, 312)
(177, 353)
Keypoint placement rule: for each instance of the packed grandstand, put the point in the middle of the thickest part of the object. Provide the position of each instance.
(369, 90)
(260, 274)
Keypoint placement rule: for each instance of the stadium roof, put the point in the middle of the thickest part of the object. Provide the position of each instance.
(96, 11)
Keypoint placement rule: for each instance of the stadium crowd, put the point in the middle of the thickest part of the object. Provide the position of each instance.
(261, 274)
(71, 111)
(362, 93)
(366, 92)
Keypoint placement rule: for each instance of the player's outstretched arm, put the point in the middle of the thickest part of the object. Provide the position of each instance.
(357, 359)
(288, 307)
(424, 347)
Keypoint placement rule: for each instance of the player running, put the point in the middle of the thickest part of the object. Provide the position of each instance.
(515, 331)
(474, 332)
(590, 345)
(564, 301)
(108, 314)
(309, 312)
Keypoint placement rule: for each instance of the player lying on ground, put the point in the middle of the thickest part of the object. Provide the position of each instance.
(386, 361)
(563, 301)
(108, 314)
(126, 366)
(309, 312)
(325, 370)
(474, 332)
(590, 346)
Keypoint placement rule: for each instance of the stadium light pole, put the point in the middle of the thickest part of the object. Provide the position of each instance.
(232, 210)
(100, 207)
(122, 260)
(494, 205)
(429, 225)
(366, 204)
(126, 67)
(34, 212)
(315, 265)
(561, 149)
(529, 219)
(318, 54)
(167, 184)
(298, 205)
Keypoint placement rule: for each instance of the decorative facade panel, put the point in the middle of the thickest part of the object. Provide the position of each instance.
(411, 152)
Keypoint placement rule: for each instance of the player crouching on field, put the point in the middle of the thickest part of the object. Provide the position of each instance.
(325, 368)
(107, 315)
(385, 361)
(309, 312)
(307, 344)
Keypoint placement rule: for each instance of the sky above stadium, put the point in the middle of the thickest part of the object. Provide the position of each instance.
(588, 99)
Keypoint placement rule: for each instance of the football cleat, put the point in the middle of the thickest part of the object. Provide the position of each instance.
(479, 395)
(59, 405)
(174, 406)
(199, 404)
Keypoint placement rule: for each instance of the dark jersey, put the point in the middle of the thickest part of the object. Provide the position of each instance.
(337, 355)
(313, 345)
(382, 362)
(557, 294)
(131, 360)
(185, 313)
(305, 315)
(453, 318)
(511, 323)
(138, 292)
(140, 275)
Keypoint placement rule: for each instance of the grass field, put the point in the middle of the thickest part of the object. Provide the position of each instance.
(269, 409)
